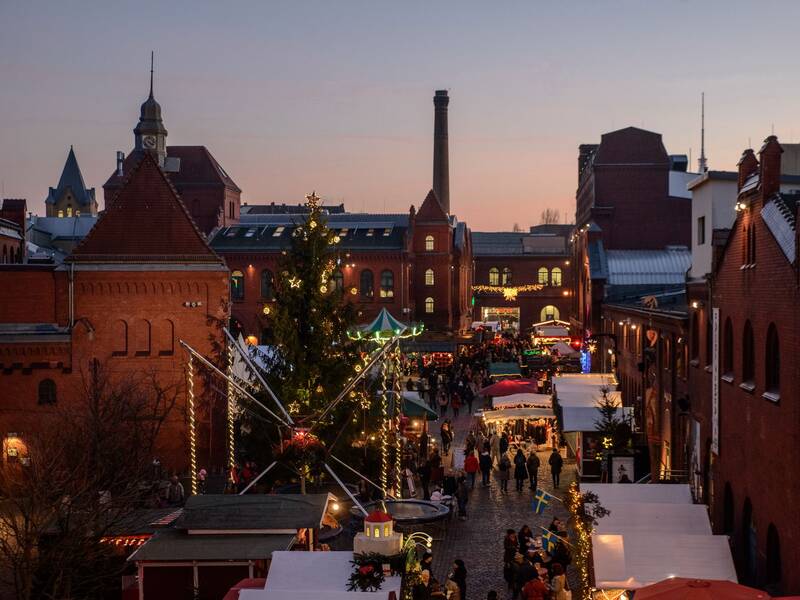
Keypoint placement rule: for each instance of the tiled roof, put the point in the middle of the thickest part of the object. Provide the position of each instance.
(646, 267)
(779, 214)
(147, 222)
(71, 178)
(431, 210)
(286, 209)
(63, 228)
(506, 243)
(196, 166)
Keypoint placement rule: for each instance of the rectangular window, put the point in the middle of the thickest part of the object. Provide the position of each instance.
(701, 230)
(278, 231)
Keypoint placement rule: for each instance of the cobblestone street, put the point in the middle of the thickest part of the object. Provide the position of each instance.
(478, 541)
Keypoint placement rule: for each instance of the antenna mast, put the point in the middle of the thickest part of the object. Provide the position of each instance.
(702, 164)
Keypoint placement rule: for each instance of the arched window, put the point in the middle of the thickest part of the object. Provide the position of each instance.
(119, 338)
(506, 276)
(61, 214)
(555, 276)
(430, 245)
(429, 278)
(141, 337)
(774, 572)
(772, 366)
(748, 354)
(727, 511)
(748, 542)
(542, 276)
(387, 284)
(695, 343)
(549, 313)
(267, 285)
(494, 276)
(429, 305)
(367, 289)
(727, 348)
(338, 281)
(237, 285)
(165, 337)
(709, 340)
(47, 392)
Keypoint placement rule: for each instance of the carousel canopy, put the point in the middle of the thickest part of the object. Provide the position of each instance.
(507, 387)
(413, 406)
(385, 324)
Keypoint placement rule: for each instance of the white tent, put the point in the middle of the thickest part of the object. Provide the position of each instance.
(653, 532)
(511, 414)
(579, 395)
(314, 575)
(527, 399)
(585, 418)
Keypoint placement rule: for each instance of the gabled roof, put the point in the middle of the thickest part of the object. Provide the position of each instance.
(431, 210)
(72, 179)
(195, 165)
(648, 267)
(631, 145)
(779, 215)
(265, 512)
(147, 222)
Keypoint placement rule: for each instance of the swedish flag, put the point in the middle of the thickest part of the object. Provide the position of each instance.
(541, 500)
(549, 540)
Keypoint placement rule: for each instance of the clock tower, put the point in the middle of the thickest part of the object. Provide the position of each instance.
(150, 134)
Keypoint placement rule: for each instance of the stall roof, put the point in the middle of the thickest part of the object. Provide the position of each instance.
(655, 518)
(266, 512)
(504, 369)
(634, 560)
(313, 575)
(173, 545)
(416, 345)
(552, 331)
(507, 414)
(414, 406)
(585, 418)
(614, 493)
(540, 400)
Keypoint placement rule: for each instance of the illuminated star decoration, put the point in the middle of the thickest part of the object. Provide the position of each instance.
(510, 293)
(294, 282)
(312, 199)
(294, 407)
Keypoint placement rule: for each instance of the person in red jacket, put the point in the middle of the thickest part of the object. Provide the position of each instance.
(471, 467)
(536, 589)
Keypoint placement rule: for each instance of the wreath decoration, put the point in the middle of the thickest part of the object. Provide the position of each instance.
(367, 574)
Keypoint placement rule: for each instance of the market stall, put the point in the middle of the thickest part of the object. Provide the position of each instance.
(526, 400)
(507, 387)
(499, 370)
(654, 532)
(526, 426)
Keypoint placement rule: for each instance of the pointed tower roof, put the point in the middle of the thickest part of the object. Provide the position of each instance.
(431, 210)
(72, 179)
(147, 222)
(150, 114)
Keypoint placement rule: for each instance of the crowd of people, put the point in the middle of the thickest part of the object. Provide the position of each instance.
(428, 587)
(530, 571)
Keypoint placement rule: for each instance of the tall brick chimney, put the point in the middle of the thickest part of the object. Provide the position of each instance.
(770, 159)
(747, 164)
(441, 162)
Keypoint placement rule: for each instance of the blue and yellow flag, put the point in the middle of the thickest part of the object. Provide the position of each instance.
(549, 540)
(541, 500)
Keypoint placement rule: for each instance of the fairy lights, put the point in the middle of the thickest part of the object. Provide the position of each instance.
(192, 427)
(583, 543)
(384, 428)
(231, 410)
(398, 452)
(509, 292)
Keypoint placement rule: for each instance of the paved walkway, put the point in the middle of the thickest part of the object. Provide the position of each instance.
(478, 541)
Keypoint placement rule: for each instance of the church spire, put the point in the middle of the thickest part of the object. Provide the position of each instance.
(151, 73)
(150, 133)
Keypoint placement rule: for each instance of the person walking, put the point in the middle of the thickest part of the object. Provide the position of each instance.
(455, 403)
(443, 402)
(505, 472)
(446, 436)
(520, 469)
(462, 497)
(424, 473)
(494, 445)
(485, 461)
(504, 443)
(556, 463)
(471, 465)
(533, 469)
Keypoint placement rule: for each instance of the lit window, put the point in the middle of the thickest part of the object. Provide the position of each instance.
(429, 305)
(278, 231)
(429, 244)
(61, 214)
(506, 276)
(387, 284)
(385, 531)
(542, 276)
(387, 232)
(69, 211)
(429, 278)
(494, 276)
(370, 232)
(549, 313)
(77, 213)
(237, 285)
(555, 276)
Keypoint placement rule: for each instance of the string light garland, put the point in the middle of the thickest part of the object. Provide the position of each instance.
(384, 428)
(509, 291)
(192, 427)
(398, 492)
(231, 410)
(583, 543)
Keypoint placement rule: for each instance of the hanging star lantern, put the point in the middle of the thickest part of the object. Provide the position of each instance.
(294, 407)
(294, 282)
(510, 293)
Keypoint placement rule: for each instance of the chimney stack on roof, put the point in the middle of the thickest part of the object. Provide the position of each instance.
(120, 161)
(441, 162)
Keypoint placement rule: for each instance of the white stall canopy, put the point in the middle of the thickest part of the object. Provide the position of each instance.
(514, 400)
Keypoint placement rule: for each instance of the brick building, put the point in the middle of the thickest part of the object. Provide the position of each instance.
(71, 197)
(753, 416)
(12, 230)
(506, 259)
(140, 281)
(208, 192)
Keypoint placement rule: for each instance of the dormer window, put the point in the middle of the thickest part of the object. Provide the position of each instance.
(370, 232)
(344, 232)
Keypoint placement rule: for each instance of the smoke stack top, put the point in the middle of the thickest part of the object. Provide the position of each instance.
(441, 161)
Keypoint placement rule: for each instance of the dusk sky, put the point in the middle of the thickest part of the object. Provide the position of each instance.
(337, 96)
